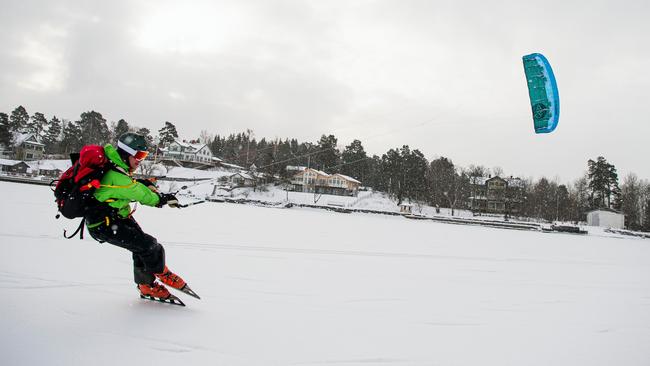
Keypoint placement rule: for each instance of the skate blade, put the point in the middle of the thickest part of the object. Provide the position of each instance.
(186, 289)
(172, 300)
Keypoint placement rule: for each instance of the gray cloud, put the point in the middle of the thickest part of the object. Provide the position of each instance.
(444, 77)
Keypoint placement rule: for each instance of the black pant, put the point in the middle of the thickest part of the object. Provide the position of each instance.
(148, 254)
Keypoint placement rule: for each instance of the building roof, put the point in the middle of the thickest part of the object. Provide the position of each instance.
(515, 182)
(192, 148)
(61, 165)
(319, 172)
(512, 182)
(9, 162)
(196, 147)
(296, 168)
(605, 209)
(19, 138)
(232, 166)
(348, 178)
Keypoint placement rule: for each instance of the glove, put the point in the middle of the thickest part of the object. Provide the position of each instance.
(168, 199)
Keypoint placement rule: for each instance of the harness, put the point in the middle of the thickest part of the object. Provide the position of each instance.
(110, 214)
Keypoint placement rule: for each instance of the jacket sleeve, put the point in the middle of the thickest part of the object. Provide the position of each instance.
(126, 189)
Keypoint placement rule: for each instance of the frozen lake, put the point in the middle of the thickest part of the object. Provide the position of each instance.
(311, 287)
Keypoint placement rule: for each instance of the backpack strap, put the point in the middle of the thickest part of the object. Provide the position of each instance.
(80, 230)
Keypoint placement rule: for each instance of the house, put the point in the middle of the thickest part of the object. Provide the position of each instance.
(19, 168)
(27, 147)
(606, 218)
(241, 180)
(189, 155)
(6, 164)
(496, 195)
(315, 181)
(49, 168)
(343, 185)
(309, 180)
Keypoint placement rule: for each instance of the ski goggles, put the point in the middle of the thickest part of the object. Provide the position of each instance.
(141, 155)
(137, 154)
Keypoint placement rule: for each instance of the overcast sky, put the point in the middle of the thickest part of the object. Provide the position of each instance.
(445, 77)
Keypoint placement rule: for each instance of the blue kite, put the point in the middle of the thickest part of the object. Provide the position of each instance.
(542, 89)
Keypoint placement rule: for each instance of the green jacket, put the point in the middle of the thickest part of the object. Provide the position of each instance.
(118, 189)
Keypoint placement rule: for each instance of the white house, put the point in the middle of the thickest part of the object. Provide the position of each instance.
(28, 147)
(189, 154)
(606, 218)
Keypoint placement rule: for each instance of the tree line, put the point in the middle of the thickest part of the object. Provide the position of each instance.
(406, 174)
(403, 173)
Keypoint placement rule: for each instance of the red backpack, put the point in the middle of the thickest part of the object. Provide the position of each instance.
(75, 188)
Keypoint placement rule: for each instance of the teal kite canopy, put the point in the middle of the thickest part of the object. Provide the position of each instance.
(542, 89)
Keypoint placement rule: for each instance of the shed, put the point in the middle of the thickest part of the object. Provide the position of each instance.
(606, 218)
(19, 168)
(406, 208)
(241, 180)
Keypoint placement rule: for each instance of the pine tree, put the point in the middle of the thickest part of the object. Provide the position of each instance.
(121, 128)
(71, 141)
(18, 120)
(94, 129)
(5, 133)
(543, 200)
(373, 178)
(414, 171)
(354, 161)
(441, 176)
(167, 134)
(392, 177)
(37, 125)
(603, 184)
(283, 157)
(216, 146)
(327, 158)
(51, 139)
(147, 135)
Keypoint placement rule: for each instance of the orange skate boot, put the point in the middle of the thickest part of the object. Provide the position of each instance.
(173, 280)
(158, 292)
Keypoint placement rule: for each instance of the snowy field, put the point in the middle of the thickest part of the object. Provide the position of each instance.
(313, 287)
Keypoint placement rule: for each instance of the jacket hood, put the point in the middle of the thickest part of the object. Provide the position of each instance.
(114, 156)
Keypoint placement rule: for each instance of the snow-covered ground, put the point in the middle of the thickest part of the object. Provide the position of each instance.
(312, 287)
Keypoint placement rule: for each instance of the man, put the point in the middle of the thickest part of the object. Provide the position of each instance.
(111, 221)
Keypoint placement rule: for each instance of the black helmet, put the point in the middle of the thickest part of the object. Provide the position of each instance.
(132, 144)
